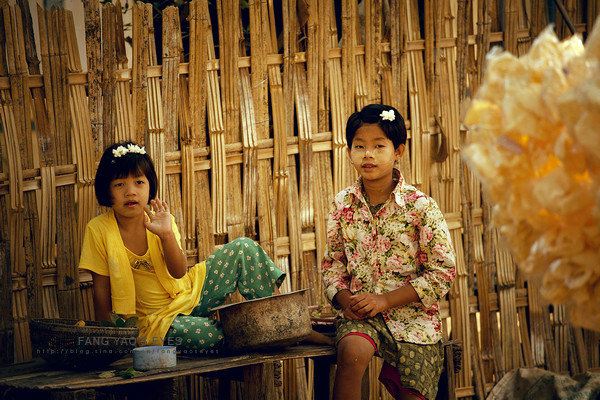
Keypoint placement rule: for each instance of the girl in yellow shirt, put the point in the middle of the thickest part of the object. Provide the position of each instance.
(138, 266)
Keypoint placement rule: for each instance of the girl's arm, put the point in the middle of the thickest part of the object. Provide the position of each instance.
(335, 275)
(438, 261)
(159, 222)
(174, 256)
(102, 301)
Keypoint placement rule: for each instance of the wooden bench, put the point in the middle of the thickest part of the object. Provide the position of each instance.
(37, 379)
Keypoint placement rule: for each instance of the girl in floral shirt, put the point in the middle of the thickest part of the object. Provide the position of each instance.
(389, 261)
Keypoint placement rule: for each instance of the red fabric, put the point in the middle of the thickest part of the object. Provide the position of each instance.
(390, 378)
(364, 335)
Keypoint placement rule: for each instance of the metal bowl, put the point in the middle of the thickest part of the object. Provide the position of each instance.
(268, 322)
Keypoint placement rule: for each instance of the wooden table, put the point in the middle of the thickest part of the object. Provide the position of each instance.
(37, 379)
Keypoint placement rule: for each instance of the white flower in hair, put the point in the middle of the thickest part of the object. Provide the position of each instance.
(120, 151)
(134, 148)
(131, 148)
(387, 115)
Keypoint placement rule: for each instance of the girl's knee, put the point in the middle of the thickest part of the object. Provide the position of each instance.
(241, 246)
(242, 242)
(354, 352)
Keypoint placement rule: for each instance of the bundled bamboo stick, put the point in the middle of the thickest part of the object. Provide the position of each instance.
(48, 217)
(259, 42)
(188, 175)
(321, 196)
(155, 138)
(290, 77)
(27, 227)
(165, 137)
(561, 338)
(398, 58)
(349, 42)
(50, 302)
(446, 69)
(280, 156)
(124, 128)
(84, 154)
(526, 348)
(395, 75)
(22, 339)
(229, 52)
(67, 237)
(217, 141)
(592, 342)
(53, 30)
(310, 274)
(280, 173)
(523, 42)
(419, 112)
(362, 91)
(109, 80)
(510, 25)
(7, 326)
(592, 12)
(250, 148)
(318, 74)
(507, 302)
(10, 121)
(250, 154)
(139, 73)
(49, 155)
(93, 49)
(343, 173)
(23, 219)
(198, 89)
(373, 63)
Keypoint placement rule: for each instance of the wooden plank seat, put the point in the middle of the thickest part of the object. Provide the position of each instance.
(37, 379)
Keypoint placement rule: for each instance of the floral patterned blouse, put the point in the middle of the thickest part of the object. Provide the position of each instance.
(405, 242)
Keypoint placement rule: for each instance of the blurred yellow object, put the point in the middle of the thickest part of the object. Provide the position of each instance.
(535, 145)
(80, 323)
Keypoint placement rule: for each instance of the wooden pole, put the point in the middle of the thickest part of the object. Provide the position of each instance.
(139, 73)
(93, 47)
(108, 79)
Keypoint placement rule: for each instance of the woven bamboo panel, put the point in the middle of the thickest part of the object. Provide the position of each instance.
(245, 120)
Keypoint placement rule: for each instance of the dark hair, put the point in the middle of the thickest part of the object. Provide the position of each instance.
(371, 114)
(129, 164)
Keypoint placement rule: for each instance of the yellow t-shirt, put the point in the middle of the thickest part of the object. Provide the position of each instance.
(104, 253)
(150, 295)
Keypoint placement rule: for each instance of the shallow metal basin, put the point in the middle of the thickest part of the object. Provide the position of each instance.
(275, 321)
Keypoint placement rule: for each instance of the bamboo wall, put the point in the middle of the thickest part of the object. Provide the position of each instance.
(247, 133)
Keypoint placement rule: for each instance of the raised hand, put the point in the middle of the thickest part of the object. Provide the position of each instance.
(368, 304)
(158, 218)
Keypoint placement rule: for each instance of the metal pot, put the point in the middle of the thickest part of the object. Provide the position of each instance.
(275, 321)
